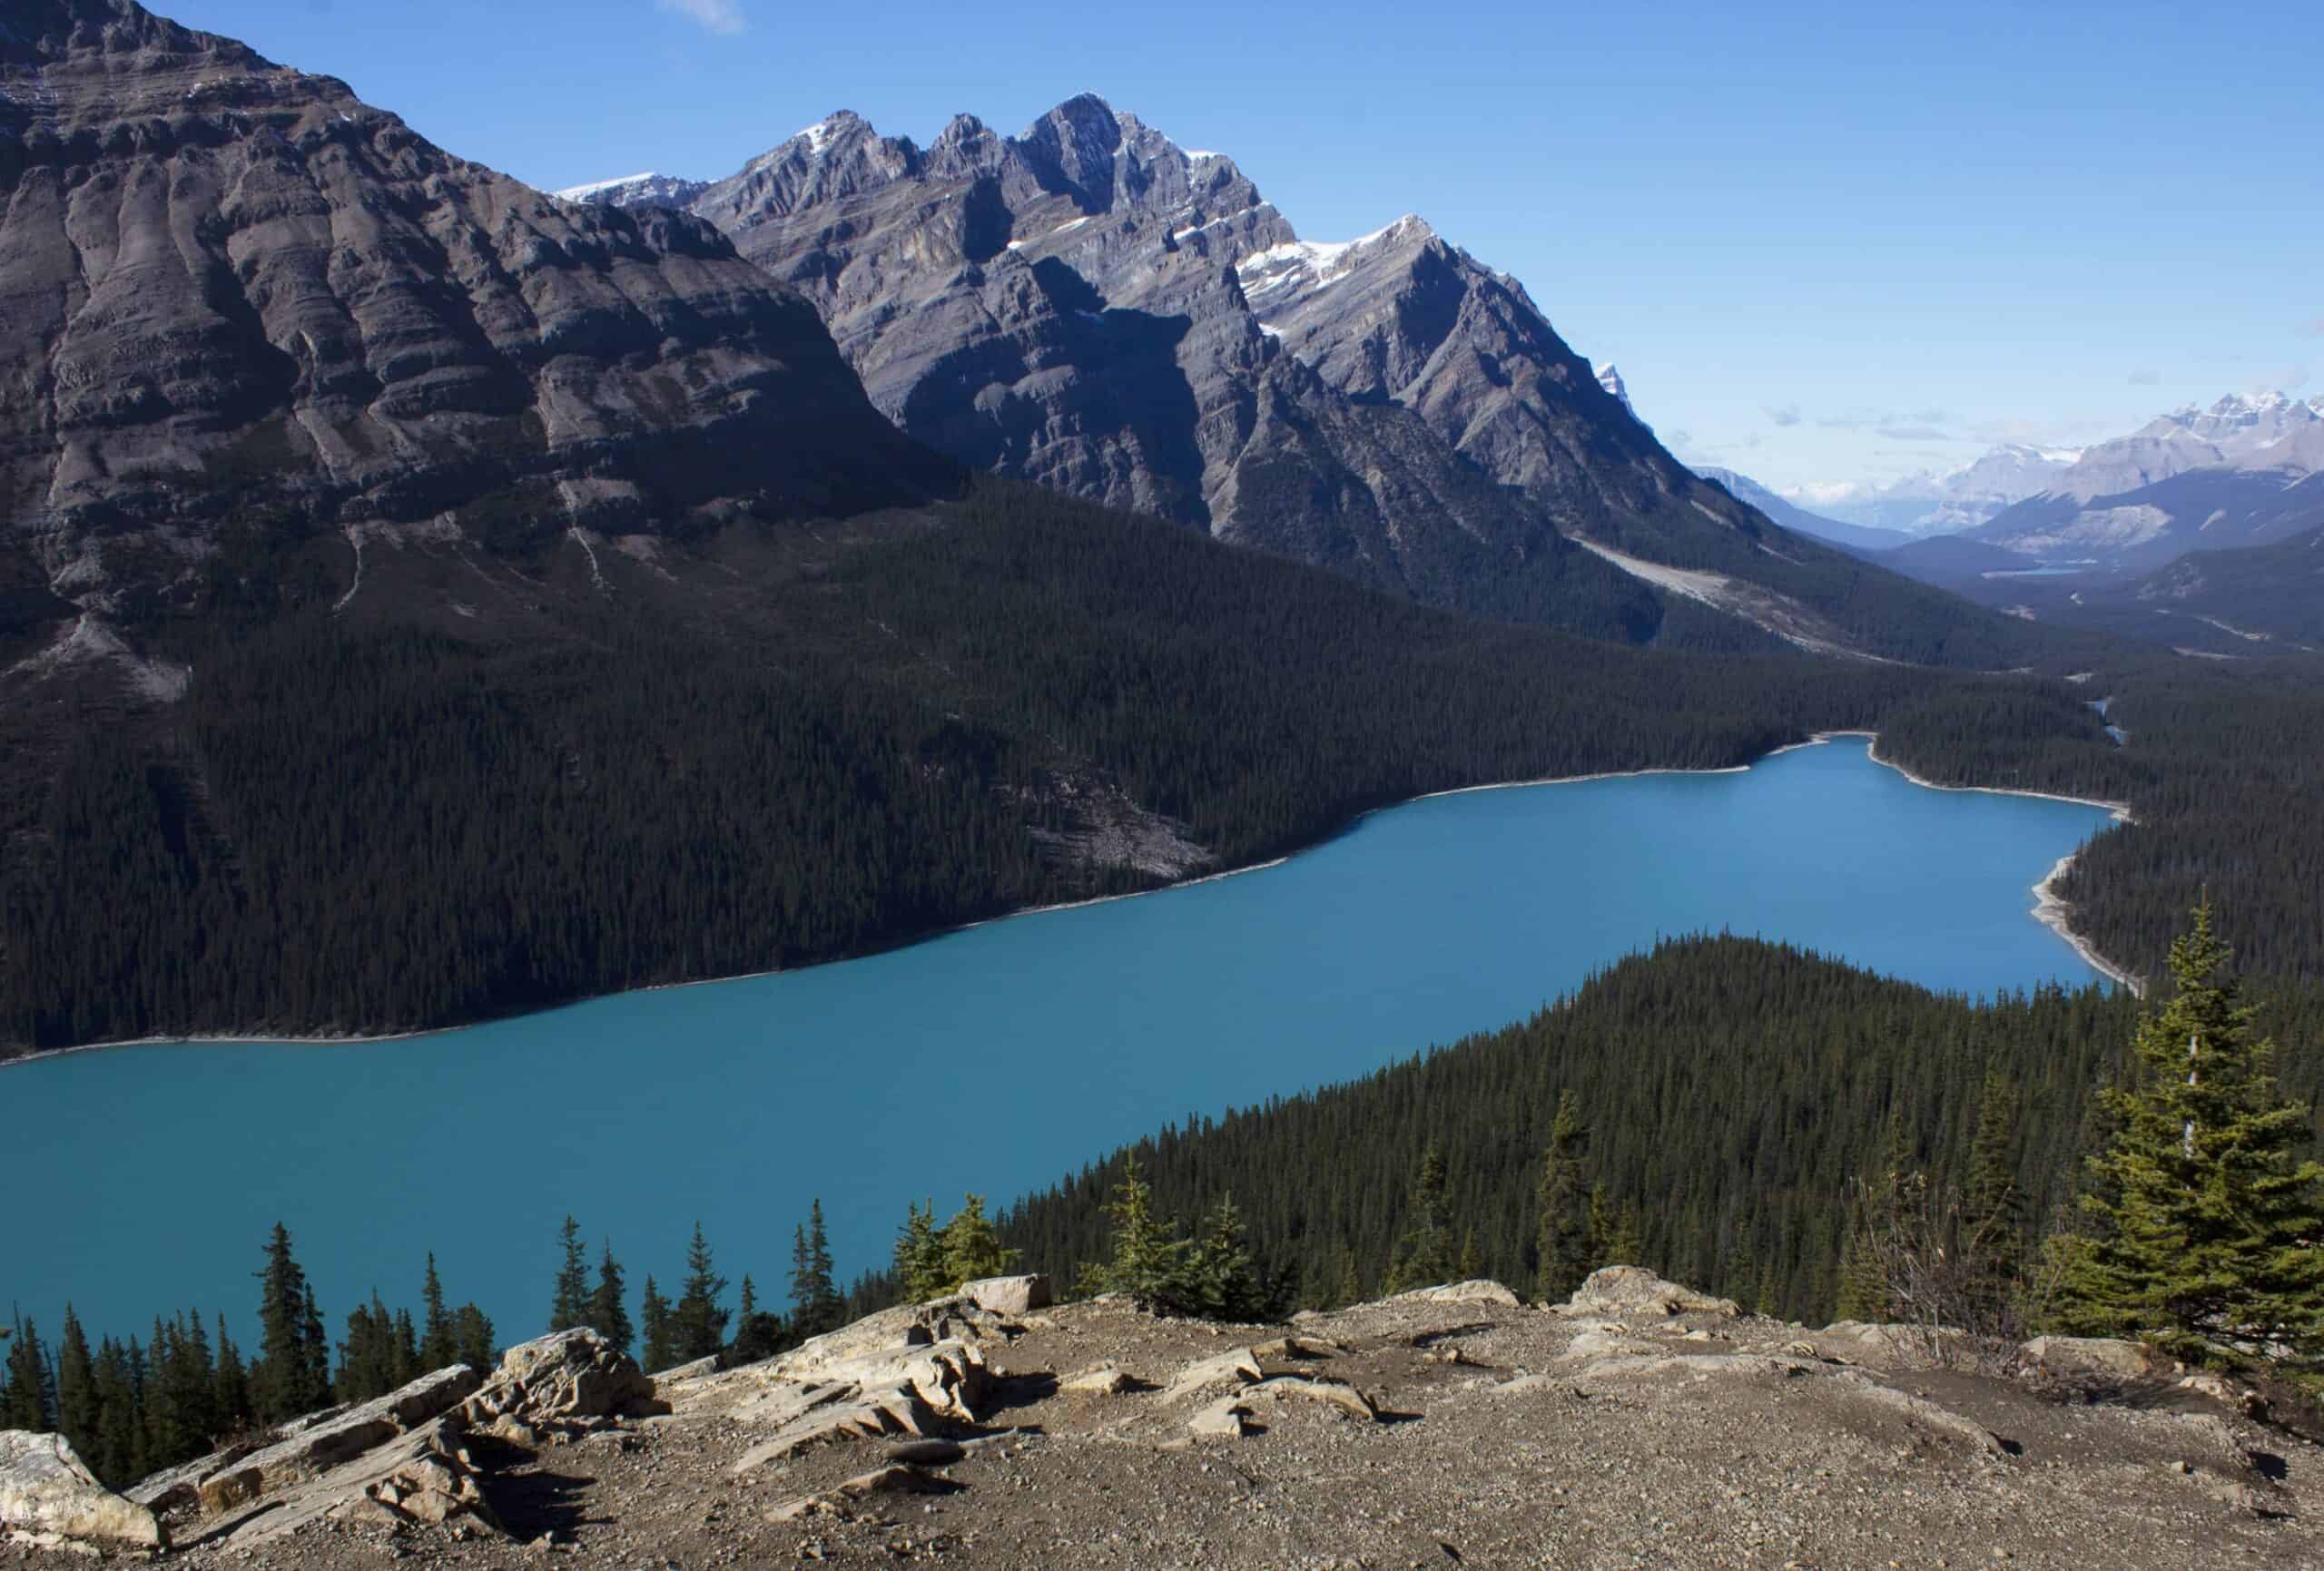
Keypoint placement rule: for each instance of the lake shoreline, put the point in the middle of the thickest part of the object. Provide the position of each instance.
(2050, 910)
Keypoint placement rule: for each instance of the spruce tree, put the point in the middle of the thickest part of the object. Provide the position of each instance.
(919, 1255)
(1603, 1226)
(1149, 1254)
(2202, 1221)
(77, 1387)
(27, 1403)
(1425, 1257)
(972, 1248)
(1222, 1280)
(286, 1382)
(230, 1394)
(1347, 1285)
(829, 1307)
(472, 1339)
(608, 1311)
(119, 1457)
(1472, 1263)
(1992, 1208)
(439, 1347)
(1561, 1237)
(570, 1301)
(698, 1323)
(659, 1351)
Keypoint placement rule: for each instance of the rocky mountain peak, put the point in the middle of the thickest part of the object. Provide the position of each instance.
(299, 301)
(34, 31)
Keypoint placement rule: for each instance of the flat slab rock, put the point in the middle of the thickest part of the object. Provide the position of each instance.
(347, 1435)
(46, 1492)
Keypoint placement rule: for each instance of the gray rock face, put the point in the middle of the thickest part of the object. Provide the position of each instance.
(562, 1384)
(317, 1448)
(47, 1492)
(1078, 306)
(221, 278)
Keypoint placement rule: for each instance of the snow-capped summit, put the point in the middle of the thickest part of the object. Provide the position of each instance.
(1610, 379)
(649, 190)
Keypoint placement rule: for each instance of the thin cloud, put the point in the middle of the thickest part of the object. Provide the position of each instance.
(1915, 433)
(721, 17)
(2146, 378)
(1789, 414)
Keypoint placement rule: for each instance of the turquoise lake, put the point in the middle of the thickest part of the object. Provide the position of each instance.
(993, 1059)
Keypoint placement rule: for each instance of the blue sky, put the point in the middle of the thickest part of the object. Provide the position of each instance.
(1824, 243)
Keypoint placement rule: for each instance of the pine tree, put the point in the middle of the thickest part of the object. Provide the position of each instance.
(285, 1383)
(1149, 1257)
(1992, 1208)
(2203, 1221)
(27, 1403)
(77, 1387)
(698, 1324)
(1425, 1257)
(814, 1301)
(1347, 1286)
(1561, 1238)
(919, 1255)
(120, 1456)
(1603, 1228)
(439, 1346)
(660, 1351)
(316, 1341)
(607, 1311)
(828, 1306)
(230, 1397)
(472, 1338)
(1222, 1281)
(569, 1302)
(1628, 1245)
(1472, 1264)
(972, 1248)
(757, 1334)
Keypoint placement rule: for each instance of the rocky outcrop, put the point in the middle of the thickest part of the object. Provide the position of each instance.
(560, 1385)
(2087, 1357)
(1631, 1290)
(340, 1437)
(48, 1495)
(223, 280)
(1009, 1295)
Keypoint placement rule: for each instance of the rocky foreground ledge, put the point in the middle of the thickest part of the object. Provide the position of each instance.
(1640, 1424)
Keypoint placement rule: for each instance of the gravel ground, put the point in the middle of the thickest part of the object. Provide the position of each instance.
(1693, 1441)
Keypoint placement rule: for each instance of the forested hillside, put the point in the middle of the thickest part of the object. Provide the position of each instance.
(479, 784)
(1731, 1091)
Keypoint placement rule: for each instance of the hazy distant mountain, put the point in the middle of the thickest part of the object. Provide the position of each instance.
(1856, 536)
(2216, 478)
(1090, 306)
(1932, 504)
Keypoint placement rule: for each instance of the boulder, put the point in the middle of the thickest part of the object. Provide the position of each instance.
(1223, 1420)
(1634, 1290)
(2085, 1358)
(563, 1384)
(47, 1492)
(1105, 1381)
(317, 1448)
(1481, 1289)
(905, 1390)
(1891, 1346)
(1009, 1295)
(1335, 1393)
(1237, 1366)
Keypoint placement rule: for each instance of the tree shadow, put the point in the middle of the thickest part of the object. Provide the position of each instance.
(530, 1502)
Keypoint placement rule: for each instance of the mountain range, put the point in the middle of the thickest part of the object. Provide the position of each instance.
(1089, 306)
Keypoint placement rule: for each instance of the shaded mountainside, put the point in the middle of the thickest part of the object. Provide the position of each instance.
(240, 309)
(468, 783)
(1092, 307)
